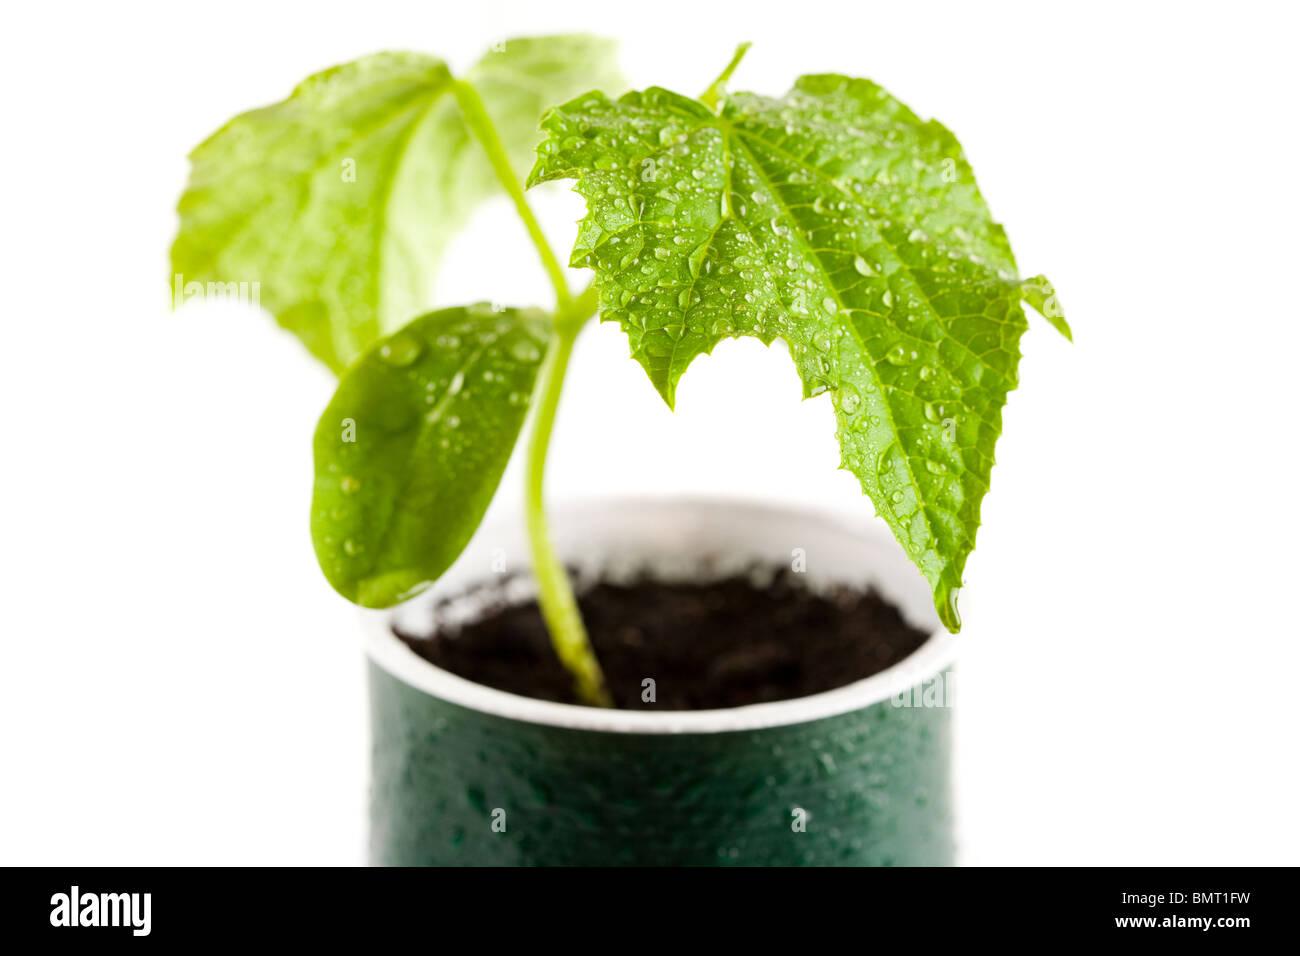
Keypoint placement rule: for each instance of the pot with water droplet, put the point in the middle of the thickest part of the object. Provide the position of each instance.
(463, 774)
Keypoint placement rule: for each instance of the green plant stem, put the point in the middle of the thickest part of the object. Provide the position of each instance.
(711, 96)
(554, 590)
(477, 118)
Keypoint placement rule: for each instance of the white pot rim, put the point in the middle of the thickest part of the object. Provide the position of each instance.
(389, 653)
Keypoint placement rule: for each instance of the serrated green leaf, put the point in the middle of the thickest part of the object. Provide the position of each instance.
(339, 200)
(836, 219)
(412, 447)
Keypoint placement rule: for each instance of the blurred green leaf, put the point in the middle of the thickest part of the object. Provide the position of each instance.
(339, 200)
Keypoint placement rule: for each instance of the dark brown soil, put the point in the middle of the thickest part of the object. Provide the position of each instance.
(720, 644)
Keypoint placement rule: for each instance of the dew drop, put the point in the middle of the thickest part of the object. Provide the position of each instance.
(882, 460)
(954, 621)
(898, 355)
(525, 351)
(401, 350)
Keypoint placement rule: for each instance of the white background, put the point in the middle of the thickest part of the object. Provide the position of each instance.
(179, 685)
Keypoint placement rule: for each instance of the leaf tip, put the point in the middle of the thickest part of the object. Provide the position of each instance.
(945, 602)
(668, 392)
(535, 174)
(1041, 296)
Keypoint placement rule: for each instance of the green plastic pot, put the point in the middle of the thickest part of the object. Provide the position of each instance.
(466, 775)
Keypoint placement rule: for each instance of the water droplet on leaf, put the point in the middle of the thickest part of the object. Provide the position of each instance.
(898, 355)
(401, 350)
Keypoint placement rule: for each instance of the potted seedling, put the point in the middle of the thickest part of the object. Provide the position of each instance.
(658, 681)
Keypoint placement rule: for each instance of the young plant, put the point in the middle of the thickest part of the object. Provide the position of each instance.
(831, 217)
